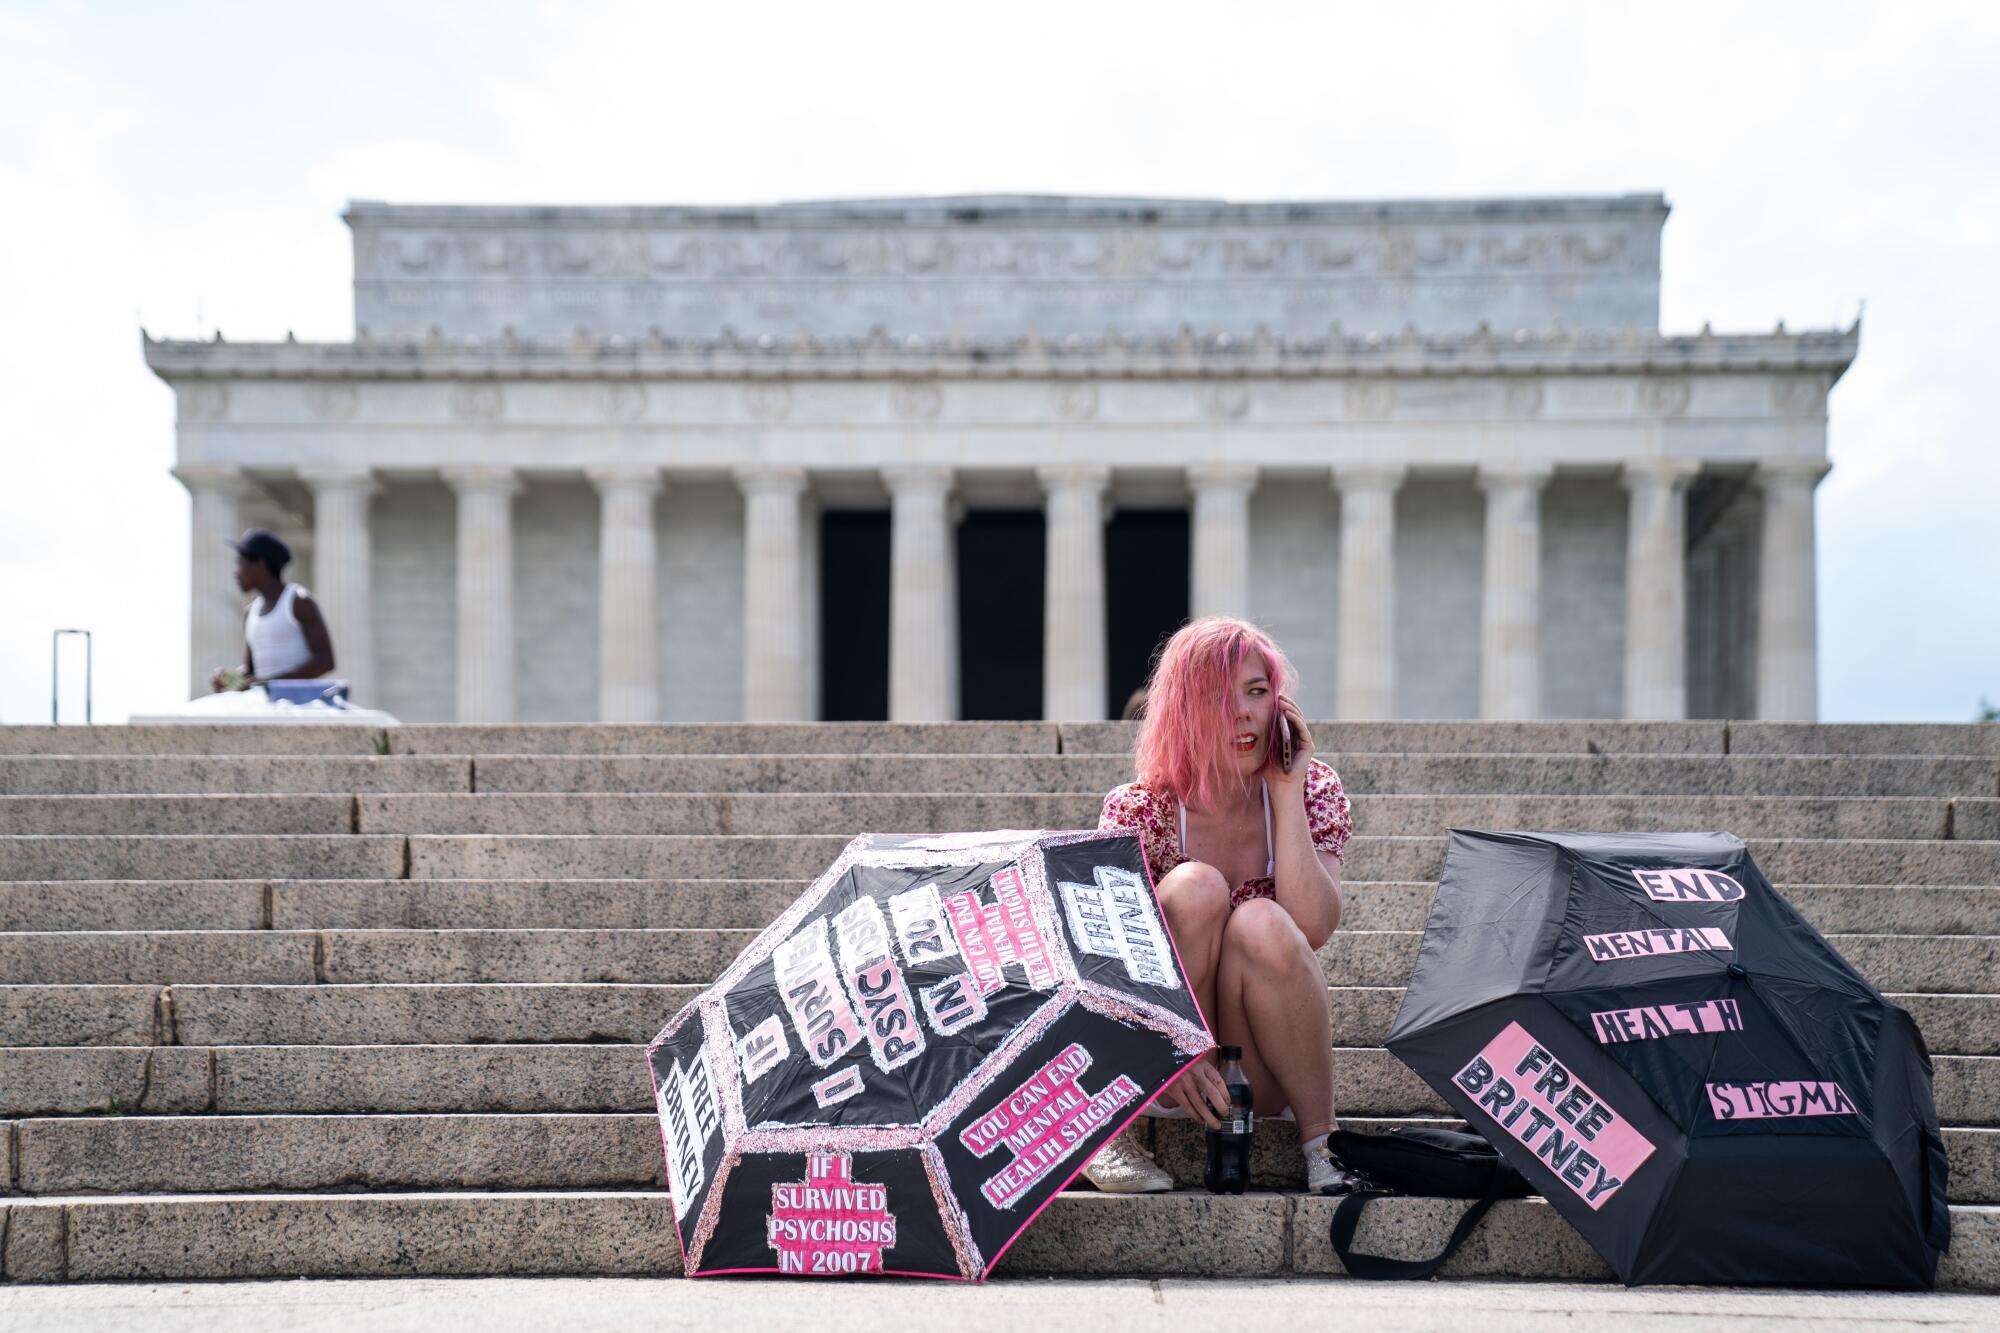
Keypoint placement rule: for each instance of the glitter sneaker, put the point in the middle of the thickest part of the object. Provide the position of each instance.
(1123, 1167)
(1327, 1174)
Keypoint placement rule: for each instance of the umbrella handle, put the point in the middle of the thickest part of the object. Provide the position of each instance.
(1377, 1268)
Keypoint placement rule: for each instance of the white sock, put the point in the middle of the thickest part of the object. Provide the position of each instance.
(1313, 1144)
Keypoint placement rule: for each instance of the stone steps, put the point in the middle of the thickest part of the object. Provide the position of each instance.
(1332, 737)
(631, 1233)
(287, 1001)
(1966, 818)
(340, 1080)
(1362, 773)
(308, 904)
(552, 1151)
(636, 856)
(1589, 737)
(477, 1013)
(1966, 964)
(691, 856)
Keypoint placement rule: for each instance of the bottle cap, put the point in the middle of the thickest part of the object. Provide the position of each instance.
(1232, 1052)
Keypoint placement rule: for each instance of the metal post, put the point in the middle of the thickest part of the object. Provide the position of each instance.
(55, 675)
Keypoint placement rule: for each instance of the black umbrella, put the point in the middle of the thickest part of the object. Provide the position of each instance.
(904, 1068)
(1687, 1070)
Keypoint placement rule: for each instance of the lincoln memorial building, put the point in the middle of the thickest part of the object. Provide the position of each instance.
(975, 457)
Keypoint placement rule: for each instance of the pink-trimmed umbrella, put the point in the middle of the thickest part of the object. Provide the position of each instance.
(904, 1068)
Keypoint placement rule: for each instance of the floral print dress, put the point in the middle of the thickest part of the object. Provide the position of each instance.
(1155, 816)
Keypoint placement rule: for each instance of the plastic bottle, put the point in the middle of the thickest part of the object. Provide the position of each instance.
(1229, 1147)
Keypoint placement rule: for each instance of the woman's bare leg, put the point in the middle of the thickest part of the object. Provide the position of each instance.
(1196, 900)
(1271, 1001)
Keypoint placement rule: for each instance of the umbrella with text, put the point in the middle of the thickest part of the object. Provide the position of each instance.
(1677, 1061)
(902, 1070)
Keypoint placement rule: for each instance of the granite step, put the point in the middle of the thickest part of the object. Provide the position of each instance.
(196, 739)
(730, 738)
(1605, 737)
(1571, 737)
(631, 1234)
(310, 1080)
(1959, 738)
(179, 814)
(638, 856)
(1362, 774)
(140, 856)
(1889, 909)
(379, 1153)
(727, 813)
(139, 775)
(689, 856)
(453, 1013)
(1950, 964)
(793, 813)
(1181, 1149)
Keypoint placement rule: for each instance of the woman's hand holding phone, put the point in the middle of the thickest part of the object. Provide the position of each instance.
(1290, 739)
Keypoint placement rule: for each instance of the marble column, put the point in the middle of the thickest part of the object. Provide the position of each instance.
(215, 603)
(923, 596)
(343, 571)
(809, 585)
(1219, 581)
(1365, 671)
(486, 683)
(1510, 621)
(1656, 588)
(628, 632)
(1787, 619)
(1074, 671)
(774, 621)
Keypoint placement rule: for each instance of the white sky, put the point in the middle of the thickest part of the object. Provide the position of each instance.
(184, 165)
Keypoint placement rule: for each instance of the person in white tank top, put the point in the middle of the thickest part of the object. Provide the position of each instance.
(284, 635)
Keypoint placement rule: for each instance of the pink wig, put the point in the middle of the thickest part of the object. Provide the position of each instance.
(1190, 714)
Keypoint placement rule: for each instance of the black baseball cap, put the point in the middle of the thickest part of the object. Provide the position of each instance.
(263, 544)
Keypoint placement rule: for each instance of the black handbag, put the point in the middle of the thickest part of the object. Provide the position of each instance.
(1432, 1163)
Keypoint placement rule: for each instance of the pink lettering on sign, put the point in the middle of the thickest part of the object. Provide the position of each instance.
(1042, 1122)
(1782, 1100)
(1689, 886)
(829, 1222)
(1526, 1091)
(880, 994)
(993, 936)
(1624, 944)
(803, 967)
(834, 1089)
(1653, 1021)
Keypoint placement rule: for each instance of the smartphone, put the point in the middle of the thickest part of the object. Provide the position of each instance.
(1284, 743)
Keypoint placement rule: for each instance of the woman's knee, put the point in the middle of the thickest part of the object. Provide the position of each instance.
(1263, 934)
(1195, 896)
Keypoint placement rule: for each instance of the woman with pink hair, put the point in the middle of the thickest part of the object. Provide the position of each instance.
(1245, 855)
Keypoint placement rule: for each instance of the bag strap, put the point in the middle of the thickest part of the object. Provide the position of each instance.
(1377, 1268)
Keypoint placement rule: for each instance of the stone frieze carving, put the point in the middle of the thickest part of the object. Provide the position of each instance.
(1076, 402)
(1666, 395)
(916, 401)
(473, 401)
(921, 253)
(768, 402)
(334, 402)
(204, 402)
(622, 401)
(1370, 400)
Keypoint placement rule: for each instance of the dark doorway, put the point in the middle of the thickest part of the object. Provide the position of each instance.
(1001, 558)
(854, 616)
(1145, 594)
